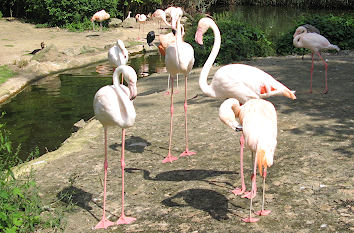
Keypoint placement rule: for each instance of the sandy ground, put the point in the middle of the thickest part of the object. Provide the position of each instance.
(309, 187)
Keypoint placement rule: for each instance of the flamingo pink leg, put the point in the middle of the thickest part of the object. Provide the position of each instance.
(312, 65)
(326, 88)
(104, 223)
(170, 158)
(168, 85)
(123, 219)
(253, 193)
(263, 212)
(239, 191)
(187, 152)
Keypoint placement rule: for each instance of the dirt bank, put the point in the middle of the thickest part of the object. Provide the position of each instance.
(309, 187)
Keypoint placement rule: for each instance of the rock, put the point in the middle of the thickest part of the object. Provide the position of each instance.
(49, 53)
(129, 23)
(115, 23)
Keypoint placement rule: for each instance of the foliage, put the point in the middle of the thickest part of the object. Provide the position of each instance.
(5, 73)
(239, 41)
(0, 15)
(339, 30)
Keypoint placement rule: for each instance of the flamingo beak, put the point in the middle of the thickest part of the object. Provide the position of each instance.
(133, 90)
(199, 36)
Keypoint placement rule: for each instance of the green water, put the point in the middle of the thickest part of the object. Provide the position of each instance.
(42, 116)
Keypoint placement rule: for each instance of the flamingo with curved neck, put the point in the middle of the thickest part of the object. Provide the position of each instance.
(179, 59)
(113, 106)
(118, 55)
(239, 81)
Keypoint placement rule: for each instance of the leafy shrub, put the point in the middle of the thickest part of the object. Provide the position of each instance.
(0, 15)
(239, 41)
(338, 30)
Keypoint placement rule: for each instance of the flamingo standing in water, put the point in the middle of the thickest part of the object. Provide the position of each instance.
(259, 127)
(179, 59)
(238, 81)
(141, 19)
(99, 16)
(315, 42)
(118, 55)
(113, 106)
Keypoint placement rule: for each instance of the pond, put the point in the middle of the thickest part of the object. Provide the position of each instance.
(43, 115)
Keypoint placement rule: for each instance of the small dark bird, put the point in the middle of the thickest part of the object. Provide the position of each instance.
(150, 37)
(37, 50)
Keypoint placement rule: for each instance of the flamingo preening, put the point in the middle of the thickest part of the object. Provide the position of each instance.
(315, 42)
(99, 16)
(118, 55)
(141, 19)
(259, 129)
(179, 59)
(238, 81)
(113, 106)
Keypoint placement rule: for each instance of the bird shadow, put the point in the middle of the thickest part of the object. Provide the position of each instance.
(214, 203)
(133, 144)
(182, 175)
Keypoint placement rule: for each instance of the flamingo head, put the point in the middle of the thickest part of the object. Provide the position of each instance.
(176, 14)
(299, 31)
(203, 26)
(131, 78)
(122, 48)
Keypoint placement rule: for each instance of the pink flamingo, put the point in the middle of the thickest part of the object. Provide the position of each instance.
(99, 16)
(113, 106)
(165, 41)
(238, 81)
(141, 19)
(118, 55)
(160, 15)
(259, 127)
(315, 42)
(179, 59)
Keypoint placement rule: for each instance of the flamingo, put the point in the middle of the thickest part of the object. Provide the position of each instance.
(179, 59)
(129, 12)
(160, 15)
(118, 55)
(113, 106)
(238, 81)
(165, 41)
(309, 28)
(141, 19)
(259, 127)
(99, 16)
(315, 42)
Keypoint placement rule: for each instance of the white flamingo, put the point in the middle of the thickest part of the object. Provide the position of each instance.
(179, 59)
(118, 55)
(141, 19)
(113, 106)
(259, 122)
(315, 42)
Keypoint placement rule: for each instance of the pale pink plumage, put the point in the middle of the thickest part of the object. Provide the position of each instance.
(113, 106)
(315, 42)
(99, 16)
(160, 15)
(259, 125)
(141, 19)
(179, 59)
(239, 81)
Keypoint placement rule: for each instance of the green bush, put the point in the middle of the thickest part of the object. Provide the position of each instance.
(339, 30)
(238, 41)
(0, 15)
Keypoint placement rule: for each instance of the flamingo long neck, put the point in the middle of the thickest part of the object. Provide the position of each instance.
(165, 21)
(297, 41)
(203, 78)
(178, 39)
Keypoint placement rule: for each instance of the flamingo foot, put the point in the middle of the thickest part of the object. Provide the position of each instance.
(175, 91)
(169, 159)
(248, 195)
(238, 191)
(125, 220)
(167, 93)
(325, 91)
(104, 223)
(187, 153)
(250, 219)
(263, 212)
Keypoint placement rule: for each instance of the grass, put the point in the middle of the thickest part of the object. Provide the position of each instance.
(10, 45)
(5, 73)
